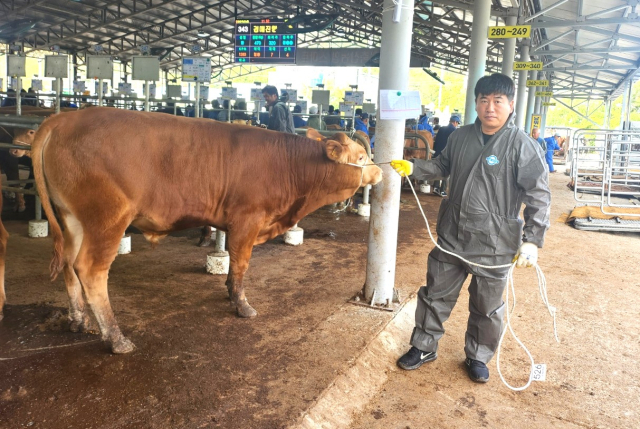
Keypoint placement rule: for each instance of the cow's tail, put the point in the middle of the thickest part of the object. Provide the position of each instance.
(42, 137)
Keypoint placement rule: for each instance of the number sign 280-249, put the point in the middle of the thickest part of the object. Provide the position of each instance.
(510, 32)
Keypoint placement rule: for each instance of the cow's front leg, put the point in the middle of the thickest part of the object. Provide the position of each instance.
(240, 247)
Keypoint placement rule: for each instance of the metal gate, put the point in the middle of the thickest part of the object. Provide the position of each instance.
(605, 172)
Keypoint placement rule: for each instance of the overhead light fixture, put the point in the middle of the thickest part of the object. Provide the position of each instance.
(202, 33)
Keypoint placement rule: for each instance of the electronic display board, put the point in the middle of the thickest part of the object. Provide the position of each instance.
(264, 41)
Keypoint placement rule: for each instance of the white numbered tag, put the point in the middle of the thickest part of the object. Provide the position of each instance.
(539, 372)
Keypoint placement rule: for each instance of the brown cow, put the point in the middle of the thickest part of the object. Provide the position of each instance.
(104, 169)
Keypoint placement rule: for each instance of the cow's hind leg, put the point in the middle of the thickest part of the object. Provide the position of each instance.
(97, 252)
(240, 248)
(79, 320)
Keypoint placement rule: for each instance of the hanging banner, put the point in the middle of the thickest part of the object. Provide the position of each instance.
(548, 104)
(510, 32)
(527, 65)
(544, 93)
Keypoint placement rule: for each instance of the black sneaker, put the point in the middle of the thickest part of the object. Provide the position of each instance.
(443, 194)
(414, 358)
(477, 370)
(436, 190)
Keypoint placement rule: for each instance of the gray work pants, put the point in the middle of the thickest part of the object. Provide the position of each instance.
(437, 299)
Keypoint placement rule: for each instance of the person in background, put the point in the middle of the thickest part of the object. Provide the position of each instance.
(552, 145)
(424, 125)
(331, 120)
(440, 186)
(263, 117)
(362, 123)
(11, 98)
(494, 168)
(239, 111)
(314, 119)
(298, 122)
(535, 134)
(436, 124)
(280, 118)
(223, 115)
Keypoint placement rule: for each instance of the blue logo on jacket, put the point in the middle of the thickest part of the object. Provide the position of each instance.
(493, 160)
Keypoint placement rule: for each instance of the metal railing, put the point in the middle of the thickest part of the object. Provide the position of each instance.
(605, 169)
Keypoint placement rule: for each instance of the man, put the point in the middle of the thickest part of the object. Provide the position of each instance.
(332, 119)
(424, 125)
(552, 145)
(280, 118)
(535, 134)
(494, 168)
(298, 122)
(314, 119)
(362, 123)
(440, 187)
(436, 124)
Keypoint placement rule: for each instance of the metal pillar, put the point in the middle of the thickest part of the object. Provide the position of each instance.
(18, 96)
(146, 95)
(58, 91)
(530, 103)
(626, 105)
(196, 107)
(538, 103)
(395, 53)
(545, 109)
(607, 114)
(521, 98)
(100, 92)
(509, 50)
(477, 55)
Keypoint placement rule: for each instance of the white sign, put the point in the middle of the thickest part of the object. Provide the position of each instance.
(539, 372)
(302, 104)
(196, 69)
(105, 87)
(229, 93)
(396, 104)
(78, 86)
(204, 92)
(124, 88)
(356, 97)
(36, 84)
(293, 94)
(347, 109)
(256, 94)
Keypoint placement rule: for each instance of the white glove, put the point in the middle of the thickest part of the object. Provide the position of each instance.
(527, 255)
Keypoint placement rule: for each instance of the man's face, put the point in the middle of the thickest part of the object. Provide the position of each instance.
(493, 111)
(535, 133)
(270, 98)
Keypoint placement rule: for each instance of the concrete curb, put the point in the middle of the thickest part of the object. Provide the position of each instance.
(350, 392)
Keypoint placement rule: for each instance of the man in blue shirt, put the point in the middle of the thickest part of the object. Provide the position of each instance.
(298, 122)
(535, 134)
(552, 144)
(423, 124)
(362, 123)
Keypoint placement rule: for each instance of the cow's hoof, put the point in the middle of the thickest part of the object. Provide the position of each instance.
(204, 242)
(245, 310)
(122, 346)
(85, 325)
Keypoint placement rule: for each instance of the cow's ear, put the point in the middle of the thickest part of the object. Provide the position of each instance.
(313, 134)
(334, 150)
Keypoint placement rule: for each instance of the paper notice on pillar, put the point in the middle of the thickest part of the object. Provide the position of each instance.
(395, 104)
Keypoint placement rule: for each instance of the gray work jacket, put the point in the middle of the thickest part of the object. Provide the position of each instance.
(480, 220)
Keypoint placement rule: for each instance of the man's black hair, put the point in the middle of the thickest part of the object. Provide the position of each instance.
(270, 89)
(331, 108)
(497, 83)
(358, 111)
(297, 109)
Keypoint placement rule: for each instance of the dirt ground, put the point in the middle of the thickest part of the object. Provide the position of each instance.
(199, 366)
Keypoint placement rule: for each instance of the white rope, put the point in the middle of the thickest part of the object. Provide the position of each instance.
(542, 285)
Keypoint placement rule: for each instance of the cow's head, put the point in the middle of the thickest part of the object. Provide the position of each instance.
(22, 138)
(341, 149)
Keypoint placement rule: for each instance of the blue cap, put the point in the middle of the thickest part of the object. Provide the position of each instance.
(365, 116)
(455, 118)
